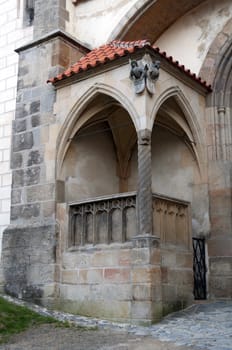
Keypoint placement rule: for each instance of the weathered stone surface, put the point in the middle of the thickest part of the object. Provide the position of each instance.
(18, 178)
(142, 292)
(16, 195)
(19, 125)
(220, 276)
(48, 209)
(104, 258)
(16, 160)
(220, 287)
(23, 71)
(60, 191)
(145, 274)
(34, 107)
(220, 247)
(47, 100)
(45, 21)
(19, 245)
(35, 157)
(221, 266)
(117, 275)
(23, 141)
(25, 212)
(141, 310)
(32, 176)
(78, 303)
(40, 192)
(21, 110)
(35, 120)
(70, 277)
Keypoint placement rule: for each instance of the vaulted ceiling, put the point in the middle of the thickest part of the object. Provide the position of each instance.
(157, 17)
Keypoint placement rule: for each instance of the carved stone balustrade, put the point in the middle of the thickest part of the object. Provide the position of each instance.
(112, 219)
(103, 220)
(171, 221)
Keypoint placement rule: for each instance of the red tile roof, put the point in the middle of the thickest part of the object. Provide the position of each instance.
(114, 50)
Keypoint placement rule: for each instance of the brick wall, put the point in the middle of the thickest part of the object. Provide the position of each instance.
(14, 32)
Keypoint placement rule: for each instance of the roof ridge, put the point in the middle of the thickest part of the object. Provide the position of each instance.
(129, 44)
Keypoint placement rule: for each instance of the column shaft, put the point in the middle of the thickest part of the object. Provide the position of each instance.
(144, 198)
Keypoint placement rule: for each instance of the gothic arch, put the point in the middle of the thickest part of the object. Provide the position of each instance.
(149, 18)
(223, 77)
(76, 118)
(217, 69)
(218, 60)
(189, 124)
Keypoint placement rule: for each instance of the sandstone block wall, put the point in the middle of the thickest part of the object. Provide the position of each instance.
(33, 188)
(119, 283)
(33, 170)
(14, 32)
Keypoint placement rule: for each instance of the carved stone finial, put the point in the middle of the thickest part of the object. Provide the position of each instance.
(144, 75)
(152, 75)
(137, 74)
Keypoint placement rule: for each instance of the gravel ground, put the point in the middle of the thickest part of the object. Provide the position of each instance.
(49, 337)
(202, 326)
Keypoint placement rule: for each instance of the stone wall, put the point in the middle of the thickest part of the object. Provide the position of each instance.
(118, 281)
(32, 189)
(33, 168)
(14, 32)
(219, 114)
(202, 24)
(123, 277)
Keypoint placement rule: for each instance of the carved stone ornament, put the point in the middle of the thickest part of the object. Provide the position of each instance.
(144, 75)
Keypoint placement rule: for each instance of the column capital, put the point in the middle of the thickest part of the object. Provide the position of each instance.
(144, 137)
(221, 109)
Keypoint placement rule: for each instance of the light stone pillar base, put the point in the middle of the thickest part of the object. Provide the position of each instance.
(146, 306)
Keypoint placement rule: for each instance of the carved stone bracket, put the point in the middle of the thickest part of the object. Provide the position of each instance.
(144, 137)
(144, 75)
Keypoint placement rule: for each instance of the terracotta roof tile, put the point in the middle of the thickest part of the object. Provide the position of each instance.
(114, 50)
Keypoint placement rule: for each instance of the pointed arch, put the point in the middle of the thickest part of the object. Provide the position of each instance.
(75, 118)
(128, 20)
(149, 18)
(218, 57)
(191, 128)
(217, 68)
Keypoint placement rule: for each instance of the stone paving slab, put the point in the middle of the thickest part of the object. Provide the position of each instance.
(203, 326)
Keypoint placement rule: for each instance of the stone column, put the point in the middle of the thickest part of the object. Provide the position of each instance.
(219, 243)
(146, 273)
(144, 197)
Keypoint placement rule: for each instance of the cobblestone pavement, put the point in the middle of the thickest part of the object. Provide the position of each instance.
(206, 326)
